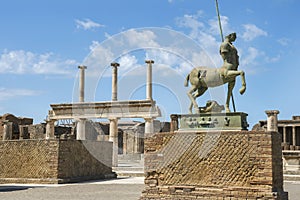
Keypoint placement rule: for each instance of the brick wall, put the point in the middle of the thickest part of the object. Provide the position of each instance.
(54, 161)
(213, 165)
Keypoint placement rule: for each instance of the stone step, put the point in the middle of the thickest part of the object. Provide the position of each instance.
(129, 174)
(137, 169)
(289, 177)
(129, 168)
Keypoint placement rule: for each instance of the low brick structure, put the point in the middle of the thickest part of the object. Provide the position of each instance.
(54, 161)
(213, 165)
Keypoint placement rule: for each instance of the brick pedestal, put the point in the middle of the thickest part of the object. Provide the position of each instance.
(213, 165)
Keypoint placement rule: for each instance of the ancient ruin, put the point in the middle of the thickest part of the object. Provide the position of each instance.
(50, 158)
(290, 144)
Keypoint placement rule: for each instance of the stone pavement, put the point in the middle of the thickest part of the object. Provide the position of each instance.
(129, 188)
(119, 189)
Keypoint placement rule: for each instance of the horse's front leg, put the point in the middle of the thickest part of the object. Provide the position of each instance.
(243, 88)
(232, 74)
(229, 93)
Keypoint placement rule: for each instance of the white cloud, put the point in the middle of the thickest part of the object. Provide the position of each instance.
(6, 93)
(215, 27)
(252, 32)
(192, 22)
(128, 63)
(145, 38)
(21, 62)
(87, 24)
(284, 41)
(251, 60)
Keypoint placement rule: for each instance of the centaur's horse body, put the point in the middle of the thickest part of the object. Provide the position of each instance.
(202, 78)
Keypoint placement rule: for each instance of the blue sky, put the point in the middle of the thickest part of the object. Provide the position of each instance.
(43, 42)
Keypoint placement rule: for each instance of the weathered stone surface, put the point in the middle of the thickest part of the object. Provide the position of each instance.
(213, 165)
(54, 161)
(108, 109)
(219, 121)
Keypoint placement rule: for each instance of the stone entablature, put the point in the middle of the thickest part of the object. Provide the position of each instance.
(213, 165)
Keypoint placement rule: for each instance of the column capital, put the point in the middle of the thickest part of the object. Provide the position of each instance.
(149, 61)
(174, 117)
(82, 67)
(114, 64)
(149, 119)
(272, 112)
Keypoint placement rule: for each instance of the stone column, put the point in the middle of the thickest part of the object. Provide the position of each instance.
(114, 83)
(149, 128)
(294, 137)
(50, 129)
(285, 145)
(80, 133)
(272, 121)
(7, 130)
(21, 131)
(113, 137)
(149, 79)
(81, 83)
(174, 123)
(284, 134)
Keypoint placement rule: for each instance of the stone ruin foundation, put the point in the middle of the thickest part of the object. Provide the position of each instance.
(213, 165)
(54, 161)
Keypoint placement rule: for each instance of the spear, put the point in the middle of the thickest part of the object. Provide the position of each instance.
(222, 38)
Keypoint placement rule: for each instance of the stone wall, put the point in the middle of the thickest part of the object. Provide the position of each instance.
(213, 165)
(54, 161)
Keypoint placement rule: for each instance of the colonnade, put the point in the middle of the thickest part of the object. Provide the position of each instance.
(113, 119)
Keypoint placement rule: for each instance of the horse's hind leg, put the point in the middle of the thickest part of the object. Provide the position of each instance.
(192, 98)
(199, 92)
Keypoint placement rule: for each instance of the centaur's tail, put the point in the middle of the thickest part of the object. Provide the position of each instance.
(186, 82)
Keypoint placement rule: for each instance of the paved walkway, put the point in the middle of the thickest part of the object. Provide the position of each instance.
(117, 189)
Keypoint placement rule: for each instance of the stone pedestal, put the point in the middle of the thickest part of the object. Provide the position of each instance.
(213, 165)
(213, 121)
